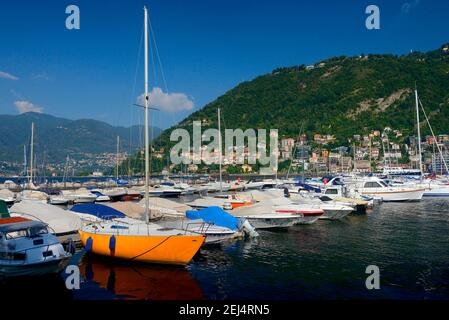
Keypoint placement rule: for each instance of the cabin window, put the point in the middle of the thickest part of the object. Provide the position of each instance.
(16, 234)
(372, 185)
(48, 253)
(383, 183)
(38, 231)
(331, 191)
(12, 255)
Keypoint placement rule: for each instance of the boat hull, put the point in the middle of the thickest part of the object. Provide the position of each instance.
(260, 222)
(334, 214)
(36, 269)
(177, 250)
(403, 195)
(82, 199)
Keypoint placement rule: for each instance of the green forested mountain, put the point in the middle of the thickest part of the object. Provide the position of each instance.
(342, 96)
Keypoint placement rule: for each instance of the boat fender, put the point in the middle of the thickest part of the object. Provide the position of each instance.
(249, 229)
(89, 243)
(112, 244)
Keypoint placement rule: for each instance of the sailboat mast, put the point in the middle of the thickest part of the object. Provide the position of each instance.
(116, 157)
(25, 160)
(147, 165)
(31, 153)
(219, 147)
(419, 132)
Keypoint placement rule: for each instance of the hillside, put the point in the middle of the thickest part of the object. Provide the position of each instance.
(59, 137)
(340, 96)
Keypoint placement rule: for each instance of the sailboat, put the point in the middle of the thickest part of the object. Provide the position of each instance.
(144, 242)
(30, 191)
(433, 188)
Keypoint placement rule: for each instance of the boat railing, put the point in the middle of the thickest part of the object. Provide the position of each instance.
(203, 227)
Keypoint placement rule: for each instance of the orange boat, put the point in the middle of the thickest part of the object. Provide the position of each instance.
(141, 242)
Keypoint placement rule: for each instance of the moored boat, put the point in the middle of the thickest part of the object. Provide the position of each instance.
(28, 249)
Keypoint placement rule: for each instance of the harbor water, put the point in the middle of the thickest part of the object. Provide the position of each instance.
(326, 260)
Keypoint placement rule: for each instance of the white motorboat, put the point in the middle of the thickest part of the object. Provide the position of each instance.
(58, 200)
(436, 190)
(433, 188)
(333, 210)
(100, 196)
(115, 194)
(375, 187)
(253, 185)
(28, 249)
(268, 214)
(309, 214)
(214, 234)
(81, 195)
(274, 220)
(185, 188)
(215, 186)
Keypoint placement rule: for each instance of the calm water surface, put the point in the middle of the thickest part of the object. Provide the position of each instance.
(409, 242)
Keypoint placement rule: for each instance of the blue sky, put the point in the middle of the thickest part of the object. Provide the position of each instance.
(206, 48)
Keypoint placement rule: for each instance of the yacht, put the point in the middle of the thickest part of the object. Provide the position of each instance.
(376, 187)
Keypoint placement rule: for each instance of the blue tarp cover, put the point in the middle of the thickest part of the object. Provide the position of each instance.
(98, 210)
(215, 215)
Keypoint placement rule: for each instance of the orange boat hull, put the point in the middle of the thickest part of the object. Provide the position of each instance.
(152, 249)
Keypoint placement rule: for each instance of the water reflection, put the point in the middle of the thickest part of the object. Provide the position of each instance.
(121, 280)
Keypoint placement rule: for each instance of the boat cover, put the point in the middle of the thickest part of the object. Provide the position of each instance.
(60, 221)
(215, 215)
(131, 209)
(98, 210)
(168, 204)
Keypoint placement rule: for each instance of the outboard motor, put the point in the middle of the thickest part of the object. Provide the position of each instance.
(286, 193)
(248, 229)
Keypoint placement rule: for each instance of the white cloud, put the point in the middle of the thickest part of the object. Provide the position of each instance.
(170, 102)
(6, 75)
(406, 7)
(26, 106)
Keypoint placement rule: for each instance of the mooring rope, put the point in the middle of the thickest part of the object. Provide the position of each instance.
(151, 248)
